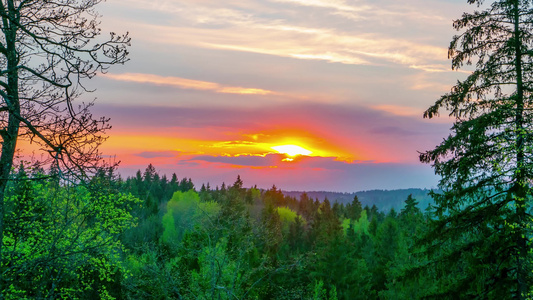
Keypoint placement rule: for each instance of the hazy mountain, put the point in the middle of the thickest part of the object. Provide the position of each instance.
(383, 199)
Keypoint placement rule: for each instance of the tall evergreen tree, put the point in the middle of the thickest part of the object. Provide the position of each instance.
(482, 216)
(410, 206)
(354, 209)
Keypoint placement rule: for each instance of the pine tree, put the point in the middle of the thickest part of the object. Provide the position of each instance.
(354, 209)
(386, 243)
(482, 219)
(411, 206)
(238, 183)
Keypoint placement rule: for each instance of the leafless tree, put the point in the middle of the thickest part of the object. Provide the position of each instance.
(47, 49)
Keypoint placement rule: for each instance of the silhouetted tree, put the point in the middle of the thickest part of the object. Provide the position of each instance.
(47, 49)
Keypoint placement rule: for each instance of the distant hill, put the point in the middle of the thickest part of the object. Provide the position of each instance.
(384, 199)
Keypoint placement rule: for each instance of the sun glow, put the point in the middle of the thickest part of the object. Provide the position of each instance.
(291, 150)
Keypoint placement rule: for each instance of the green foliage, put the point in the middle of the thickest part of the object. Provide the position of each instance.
(184, 212)
(170, 234)
(411, 206)
(255, 194)
(272, 236)
(147, 232)
(148, 277)
(286, 214)
(195, 247)
(481, 223)
(288, 217)
(387, 245)
(61, 242)
(320, 292)
(346, 224)
(234, 247)
(184, 202)
(219, 276)
(354, 209)
(333, 293)
(362, 225)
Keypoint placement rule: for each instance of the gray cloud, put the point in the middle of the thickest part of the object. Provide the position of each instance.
(156, 154)
(242, 160)
(390, 130)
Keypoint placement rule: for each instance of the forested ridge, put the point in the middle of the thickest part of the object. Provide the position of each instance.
(383, 199)
(153, 237)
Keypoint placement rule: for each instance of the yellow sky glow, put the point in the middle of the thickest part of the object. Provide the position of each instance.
(139, 143)
(292, 150)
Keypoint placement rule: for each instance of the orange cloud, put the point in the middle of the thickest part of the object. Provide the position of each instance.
(171, 146)
(244, 91)
(398, 110)
(161, 80)
(438, 69)
(185, 83)
(346, 134)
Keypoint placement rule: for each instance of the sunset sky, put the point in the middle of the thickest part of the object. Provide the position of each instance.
(214, 87)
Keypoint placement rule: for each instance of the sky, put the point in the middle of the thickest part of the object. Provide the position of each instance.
(213, 88)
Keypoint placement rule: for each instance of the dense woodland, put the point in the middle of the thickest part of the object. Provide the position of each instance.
(153, 237)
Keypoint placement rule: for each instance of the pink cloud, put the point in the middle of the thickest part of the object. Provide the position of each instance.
(185, 83)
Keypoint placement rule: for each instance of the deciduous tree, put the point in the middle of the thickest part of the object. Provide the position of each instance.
(47, 49)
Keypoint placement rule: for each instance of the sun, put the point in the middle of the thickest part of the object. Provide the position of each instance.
(291, 150)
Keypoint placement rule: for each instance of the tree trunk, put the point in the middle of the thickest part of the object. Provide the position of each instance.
(520, 184)
(9, 134)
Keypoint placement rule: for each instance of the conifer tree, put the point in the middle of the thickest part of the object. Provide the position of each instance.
(482, 219)
(410, 206)
(354, 209)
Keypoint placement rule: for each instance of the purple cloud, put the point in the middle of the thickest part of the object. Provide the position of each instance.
(242, 160)
(148, 154)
